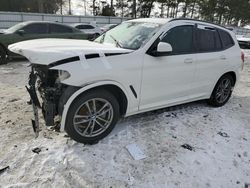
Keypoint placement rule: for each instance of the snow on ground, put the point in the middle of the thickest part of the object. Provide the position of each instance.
(217, 160)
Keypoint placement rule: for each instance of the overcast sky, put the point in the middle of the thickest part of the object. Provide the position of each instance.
(78, 6)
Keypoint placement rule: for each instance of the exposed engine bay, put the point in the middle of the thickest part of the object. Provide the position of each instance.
(47, 93)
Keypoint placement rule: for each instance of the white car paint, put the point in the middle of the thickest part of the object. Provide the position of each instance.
(88, 28)
(47, 51)
(243, 38)
(158, 81)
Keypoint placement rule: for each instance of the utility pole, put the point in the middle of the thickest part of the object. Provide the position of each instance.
(85, 7)
(93, 7)
(70, 7)
(122, 8)
(61, 5)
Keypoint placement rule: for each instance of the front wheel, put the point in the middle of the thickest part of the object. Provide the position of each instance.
(92, 116)
(222, 91)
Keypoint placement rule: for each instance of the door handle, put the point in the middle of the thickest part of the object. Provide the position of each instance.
(223, 57)
(188, 61)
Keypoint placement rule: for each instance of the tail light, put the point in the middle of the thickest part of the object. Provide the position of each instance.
(242, 59)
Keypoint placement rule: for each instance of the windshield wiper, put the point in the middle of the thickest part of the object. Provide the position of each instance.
(116, 41)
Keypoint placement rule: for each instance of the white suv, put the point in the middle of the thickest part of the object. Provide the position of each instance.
(138, 66)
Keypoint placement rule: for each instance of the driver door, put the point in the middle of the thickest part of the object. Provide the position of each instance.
(168, 79)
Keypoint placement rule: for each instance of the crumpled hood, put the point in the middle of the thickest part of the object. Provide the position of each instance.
(47, 51)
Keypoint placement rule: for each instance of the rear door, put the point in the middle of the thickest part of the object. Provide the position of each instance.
(61, 31)
(211, 59)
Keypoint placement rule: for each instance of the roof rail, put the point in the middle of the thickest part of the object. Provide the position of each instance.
(190, 19)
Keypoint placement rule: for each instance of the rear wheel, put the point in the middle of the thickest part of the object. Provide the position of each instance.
(3, 56)
(92, 116)
(222, 91)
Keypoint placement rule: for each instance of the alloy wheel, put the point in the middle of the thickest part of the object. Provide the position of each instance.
(223, 90)
(93, 117)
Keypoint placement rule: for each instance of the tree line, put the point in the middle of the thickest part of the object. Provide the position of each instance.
(226, 12)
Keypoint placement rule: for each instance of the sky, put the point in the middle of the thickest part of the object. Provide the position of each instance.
(78, 6)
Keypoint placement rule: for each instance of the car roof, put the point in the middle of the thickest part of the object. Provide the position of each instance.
(198, 22)
(151, 20)
(75, 24)
(30, 22)
(166, 20)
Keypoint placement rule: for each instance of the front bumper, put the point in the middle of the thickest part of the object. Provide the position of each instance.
(31, 88)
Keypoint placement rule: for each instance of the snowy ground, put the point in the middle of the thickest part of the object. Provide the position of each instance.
(215, 161)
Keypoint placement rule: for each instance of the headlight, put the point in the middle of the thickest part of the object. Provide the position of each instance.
(63, 75)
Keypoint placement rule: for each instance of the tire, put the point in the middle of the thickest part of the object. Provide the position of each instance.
(219, 95)
(3, 56)
(81, 124)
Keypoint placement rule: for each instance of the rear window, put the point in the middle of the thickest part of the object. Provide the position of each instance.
(208, 40)
(84, 27)
(226, 39)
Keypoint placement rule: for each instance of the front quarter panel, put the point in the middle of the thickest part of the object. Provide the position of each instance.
(123, 70)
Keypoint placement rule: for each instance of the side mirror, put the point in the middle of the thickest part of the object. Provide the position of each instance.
(164, 48)
(20, 32)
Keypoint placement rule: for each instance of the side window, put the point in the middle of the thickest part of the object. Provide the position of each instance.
(84, 27)
(226, 39)
(180, 38)
(208, 40)
(55, 28)
(79, 27)
(36, 28)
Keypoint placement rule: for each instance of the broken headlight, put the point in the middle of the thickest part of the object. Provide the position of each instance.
(63, 75)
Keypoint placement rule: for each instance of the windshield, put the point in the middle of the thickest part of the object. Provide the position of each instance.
(129, 35)
(14, 28)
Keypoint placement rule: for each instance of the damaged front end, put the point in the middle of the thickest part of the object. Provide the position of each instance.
(45, 92)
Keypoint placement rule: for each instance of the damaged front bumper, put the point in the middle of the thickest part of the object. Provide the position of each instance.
(45, 91)
(31, 88)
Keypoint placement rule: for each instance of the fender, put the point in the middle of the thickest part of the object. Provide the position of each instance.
(237, 76)
(83, 89)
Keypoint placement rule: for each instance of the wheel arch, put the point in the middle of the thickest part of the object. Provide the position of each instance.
(114, 87)
(231, 73)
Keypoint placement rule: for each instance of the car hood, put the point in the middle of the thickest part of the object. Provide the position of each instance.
(47, 51)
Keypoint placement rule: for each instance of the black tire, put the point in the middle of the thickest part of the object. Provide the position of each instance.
(3, 56)
(215, 99)
(76, 106)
